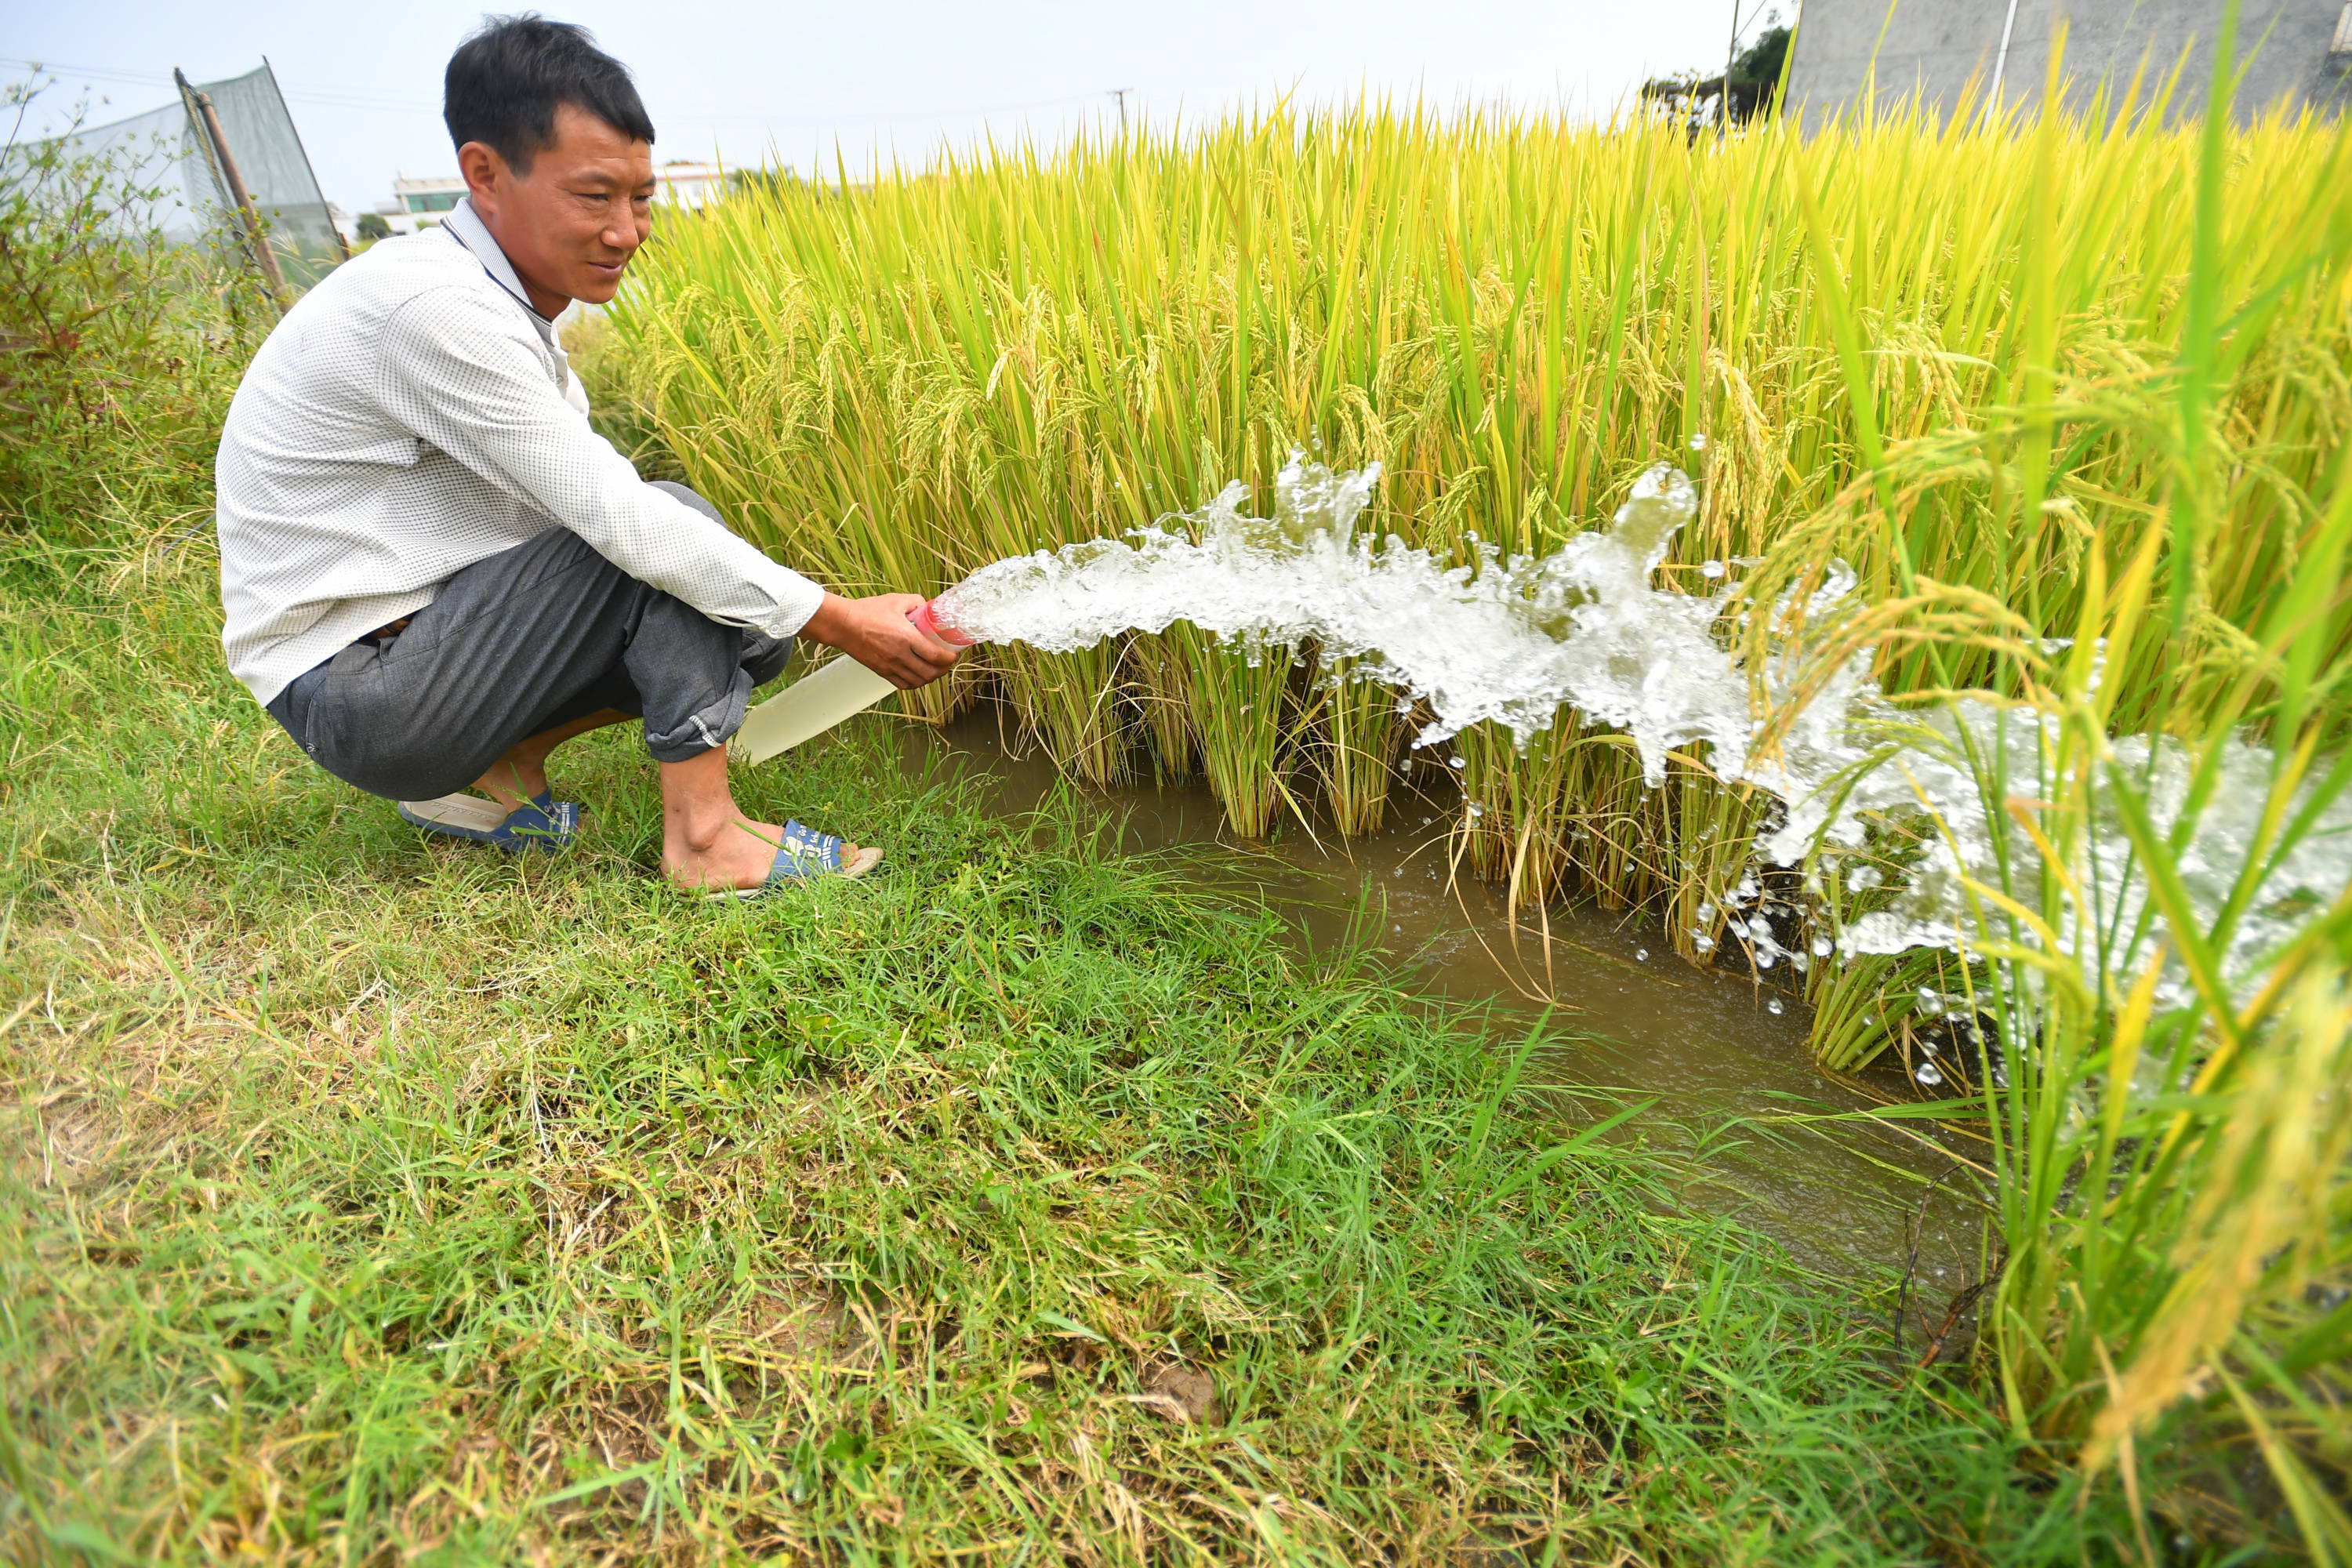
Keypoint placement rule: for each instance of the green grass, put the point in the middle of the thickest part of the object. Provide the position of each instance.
(365, 1198)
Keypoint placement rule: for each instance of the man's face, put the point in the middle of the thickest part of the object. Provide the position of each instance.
(570, 225)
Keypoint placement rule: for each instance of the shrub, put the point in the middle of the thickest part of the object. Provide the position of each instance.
(118, 349)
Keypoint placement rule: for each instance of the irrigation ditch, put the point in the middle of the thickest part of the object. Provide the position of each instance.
(1717, 1058)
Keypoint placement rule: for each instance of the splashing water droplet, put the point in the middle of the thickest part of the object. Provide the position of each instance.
(1927, 1075)
(1773, 1006)
(1504, 640)
(1509, 641)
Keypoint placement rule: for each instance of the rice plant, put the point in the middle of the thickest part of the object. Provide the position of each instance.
(1235, 697)
(2172, 1173)
(2172, 1170)
(1160, 691)
(1357, 747)
(898, 383)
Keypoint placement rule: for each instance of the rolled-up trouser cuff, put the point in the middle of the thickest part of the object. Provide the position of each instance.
(706, 729)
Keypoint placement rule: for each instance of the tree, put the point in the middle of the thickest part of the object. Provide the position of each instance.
(773, 180)
(373, 227)
(1755, 83)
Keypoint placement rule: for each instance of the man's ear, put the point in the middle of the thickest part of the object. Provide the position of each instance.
(483, 171)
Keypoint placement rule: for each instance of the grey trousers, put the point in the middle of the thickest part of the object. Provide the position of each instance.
(517, 644)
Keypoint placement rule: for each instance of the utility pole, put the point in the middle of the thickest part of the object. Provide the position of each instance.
(1730, 53)
(1121, 93)
(2000, 64)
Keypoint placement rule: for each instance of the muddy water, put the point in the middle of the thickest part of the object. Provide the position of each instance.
(1732, 1086)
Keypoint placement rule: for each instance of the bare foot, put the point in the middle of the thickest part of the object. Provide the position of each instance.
(738, 857)
(708, 844)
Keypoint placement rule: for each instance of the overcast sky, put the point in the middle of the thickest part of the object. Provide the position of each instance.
(900, 77)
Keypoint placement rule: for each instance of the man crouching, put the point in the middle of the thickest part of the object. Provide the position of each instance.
(434, 573)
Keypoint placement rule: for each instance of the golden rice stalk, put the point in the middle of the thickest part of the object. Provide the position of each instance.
(1237, 698)
(1614, 828)
(949, 698)
(1515, 316)
(1715, 840)
(1515, 802)
(1355, 751)
(1069, 702)
(1159, 687)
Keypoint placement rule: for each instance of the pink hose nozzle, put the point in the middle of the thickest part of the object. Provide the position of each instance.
(927, 624)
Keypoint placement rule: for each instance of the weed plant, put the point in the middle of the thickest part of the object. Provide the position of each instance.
(108, 336)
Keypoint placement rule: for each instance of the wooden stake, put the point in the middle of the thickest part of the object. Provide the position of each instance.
(263, 257)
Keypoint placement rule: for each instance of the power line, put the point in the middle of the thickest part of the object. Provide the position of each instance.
(884, 114)
(334, 99)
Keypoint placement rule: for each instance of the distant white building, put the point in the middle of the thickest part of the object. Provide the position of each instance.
(419, 204)
(690, 185)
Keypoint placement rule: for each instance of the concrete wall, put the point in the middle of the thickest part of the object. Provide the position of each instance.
(1944, 48)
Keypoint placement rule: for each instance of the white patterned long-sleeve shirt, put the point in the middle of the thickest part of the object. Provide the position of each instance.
(411, 416)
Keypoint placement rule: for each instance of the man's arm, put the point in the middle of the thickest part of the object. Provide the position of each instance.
(459, 371)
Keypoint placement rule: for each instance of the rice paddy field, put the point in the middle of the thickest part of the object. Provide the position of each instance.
(2067, 396)
(368, 1199)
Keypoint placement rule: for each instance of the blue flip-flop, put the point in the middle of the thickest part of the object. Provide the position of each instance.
(545, 800)
(803, 854)
(543, 823)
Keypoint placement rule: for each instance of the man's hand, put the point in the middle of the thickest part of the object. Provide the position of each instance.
(876, 634)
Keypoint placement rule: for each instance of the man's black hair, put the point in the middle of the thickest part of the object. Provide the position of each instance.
(505, 81)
